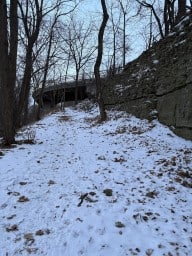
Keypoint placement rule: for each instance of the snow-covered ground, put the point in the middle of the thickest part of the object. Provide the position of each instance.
(119, 188)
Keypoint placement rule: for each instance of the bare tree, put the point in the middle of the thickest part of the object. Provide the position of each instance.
(115, 28)
(49, 56)
(99, 94)
(8, 59)
(169, 15)
(157, 18)
(127, 12)
(124, 9)
(78, 41)
(32, 13)
(147, 32)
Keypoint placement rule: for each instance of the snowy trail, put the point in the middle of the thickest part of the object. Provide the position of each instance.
(52, 193)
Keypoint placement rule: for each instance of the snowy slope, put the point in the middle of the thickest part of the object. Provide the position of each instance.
(119, 188)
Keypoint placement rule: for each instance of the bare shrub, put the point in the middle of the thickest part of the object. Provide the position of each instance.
(86, 105)
(29, 135)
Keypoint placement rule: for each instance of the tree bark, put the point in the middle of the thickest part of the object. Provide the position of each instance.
(32, 34)
(25, 89)
(103, 114)
(181, 9)
(8, 59)
(38, 117)
(166, 17)
(124, 31)
(76, 86)
(124, 38)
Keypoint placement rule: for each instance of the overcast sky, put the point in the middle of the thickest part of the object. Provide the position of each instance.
(91, 9)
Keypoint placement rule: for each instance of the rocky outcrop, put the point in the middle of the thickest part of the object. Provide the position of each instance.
(159, 83)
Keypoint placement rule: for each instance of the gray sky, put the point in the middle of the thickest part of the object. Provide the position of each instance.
(91, 9)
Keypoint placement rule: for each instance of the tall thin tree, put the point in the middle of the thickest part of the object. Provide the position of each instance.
(99, 94)
(8, 60)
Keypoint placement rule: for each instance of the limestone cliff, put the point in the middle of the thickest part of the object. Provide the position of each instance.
(159, 82)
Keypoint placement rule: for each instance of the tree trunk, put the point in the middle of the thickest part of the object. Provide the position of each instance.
(124, 38)
(158, 21)
(45, 76)
(150, 31)
(32, 33)
(148, 5)
(181, 9)
(114, 55)
(8, 53)
(64, 91)
(25, 89)
(166, 18)
(76, 86)
(103, 114)
(169, 16)
(124, 31)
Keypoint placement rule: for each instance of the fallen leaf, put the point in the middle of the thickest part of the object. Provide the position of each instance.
(23, 199)
(12, 228)
(119, 224)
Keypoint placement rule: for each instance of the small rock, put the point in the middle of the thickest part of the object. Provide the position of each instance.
(119, 224)
(47, 231)
(108, 192)
(1, 153)
(3, 206)
(13, 193)
(39, 232)
(145, 218)
(11, 217)
(101, 158)
(51, 182)
(152, 194)
(22, 183)
(92, 193)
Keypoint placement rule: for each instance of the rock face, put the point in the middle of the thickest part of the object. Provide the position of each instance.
(159, 83)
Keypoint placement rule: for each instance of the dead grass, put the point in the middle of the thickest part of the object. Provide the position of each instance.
(64, 118)
(94, 121)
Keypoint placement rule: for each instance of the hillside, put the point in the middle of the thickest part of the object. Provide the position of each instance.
(158, 84)
(123, 187)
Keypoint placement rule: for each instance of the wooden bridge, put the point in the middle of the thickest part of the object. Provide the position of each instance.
(65, 92)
